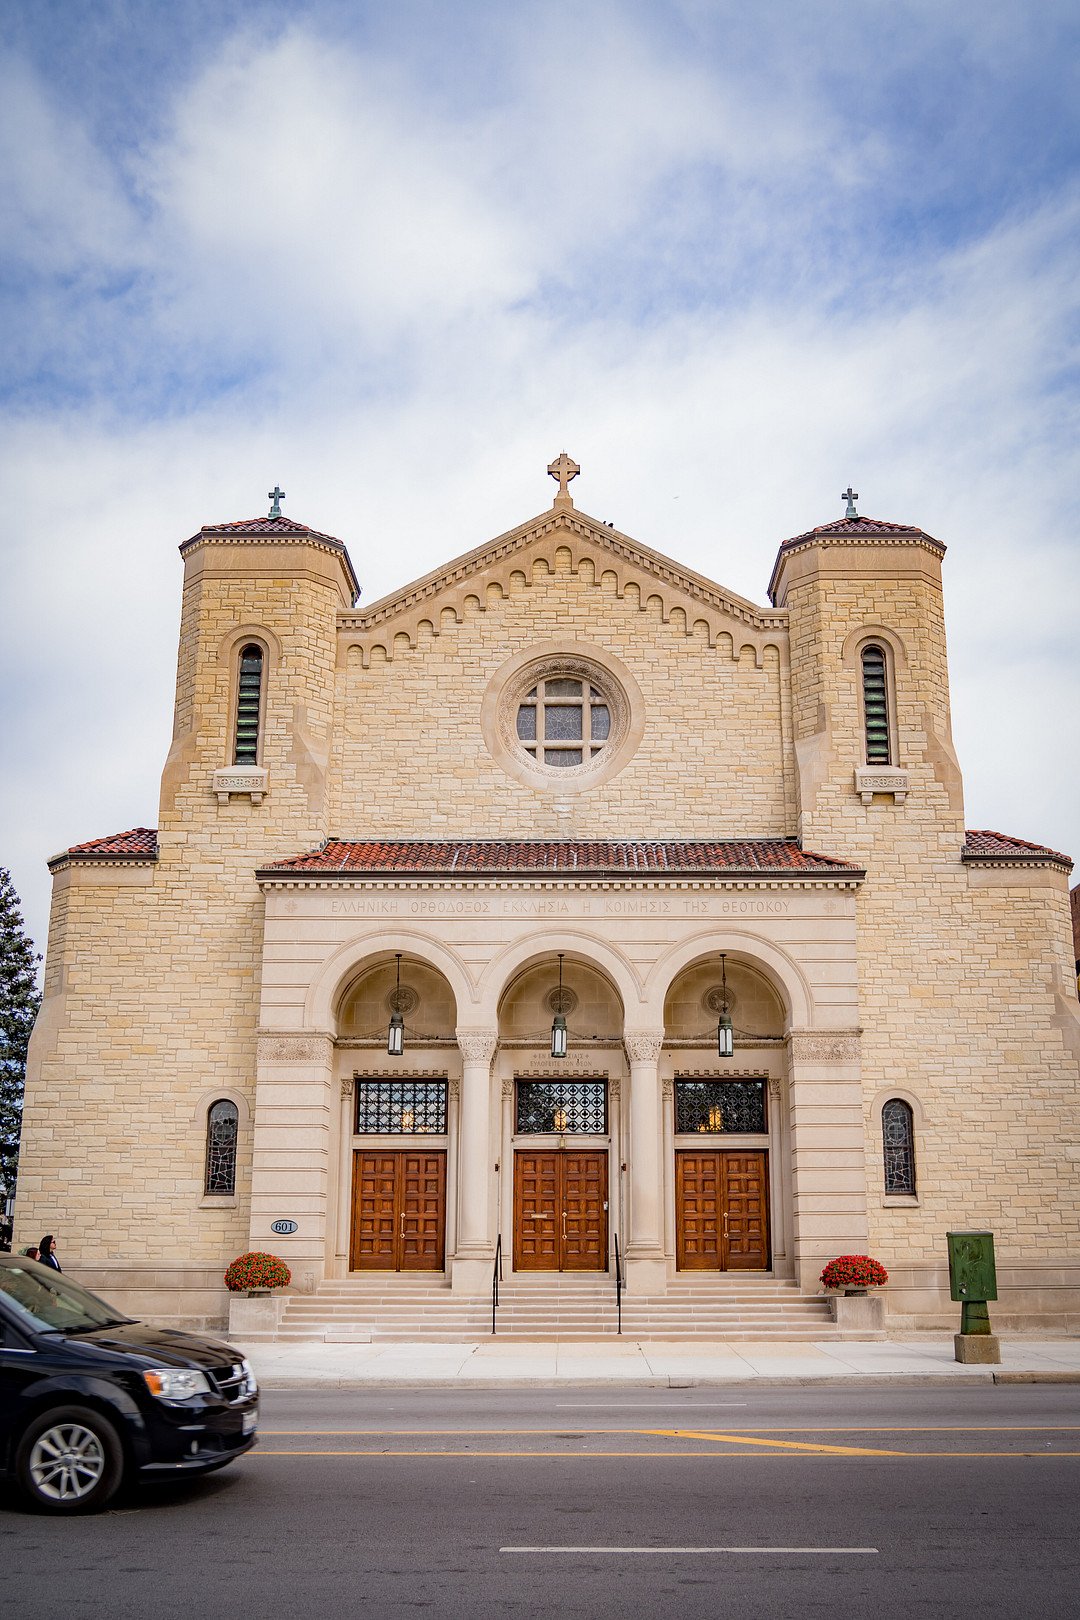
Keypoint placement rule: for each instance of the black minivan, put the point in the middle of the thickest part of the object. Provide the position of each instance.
(90, 1398)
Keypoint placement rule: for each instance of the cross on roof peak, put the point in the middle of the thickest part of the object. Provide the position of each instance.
(563, 469)
(851, 496)
(277, 496)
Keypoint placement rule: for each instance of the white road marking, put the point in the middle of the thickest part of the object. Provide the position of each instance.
(825, 1551)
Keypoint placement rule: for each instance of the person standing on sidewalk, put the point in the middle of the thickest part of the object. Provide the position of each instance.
(48, 1252)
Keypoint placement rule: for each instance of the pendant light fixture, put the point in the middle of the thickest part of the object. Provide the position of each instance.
(558, 1023)
(395, 1039)
(725, 1044)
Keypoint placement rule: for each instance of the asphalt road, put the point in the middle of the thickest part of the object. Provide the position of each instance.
(688, 1503)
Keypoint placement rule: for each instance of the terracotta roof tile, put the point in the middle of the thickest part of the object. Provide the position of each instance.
(985, 845)
(139, 844)
(856, 526)
(266, 525)
(567, 858)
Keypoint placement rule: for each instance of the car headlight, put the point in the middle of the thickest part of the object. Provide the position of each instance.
(176, 1383)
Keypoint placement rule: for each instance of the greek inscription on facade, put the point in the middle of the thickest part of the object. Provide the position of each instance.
(363, 908)
(449, 906)
(526, 906)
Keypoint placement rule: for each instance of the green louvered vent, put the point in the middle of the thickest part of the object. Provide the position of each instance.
(875, 706)
(248, 698)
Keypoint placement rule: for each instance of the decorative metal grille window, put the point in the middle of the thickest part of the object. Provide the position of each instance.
(715, 1106)
(401, 1107)
(248, 702)
(875, 705)
(547, 1106)
(221, 1127)
(898, 1143)
(563, 722)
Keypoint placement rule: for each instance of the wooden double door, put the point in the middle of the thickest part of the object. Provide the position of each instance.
(560, 1210)
(721, 1210)
(398, 1211)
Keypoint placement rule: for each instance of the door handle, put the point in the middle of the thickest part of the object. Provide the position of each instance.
(726, 1232)
(403, 1223)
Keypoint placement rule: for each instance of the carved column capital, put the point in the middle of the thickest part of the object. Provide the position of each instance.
(346, 1089)
(643, 1045)
(668, 1089)
(508, 1089)
(477, 1045)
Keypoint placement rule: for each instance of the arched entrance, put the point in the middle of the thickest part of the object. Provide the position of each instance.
(560, 1115)
(724, 1125)
(400, 1124)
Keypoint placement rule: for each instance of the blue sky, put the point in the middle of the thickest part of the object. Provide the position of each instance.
(397, 256)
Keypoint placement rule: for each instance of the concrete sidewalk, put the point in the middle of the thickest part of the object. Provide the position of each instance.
(510, 1363)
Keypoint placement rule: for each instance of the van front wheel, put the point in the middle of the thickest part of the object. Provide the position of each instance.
(70, 1460)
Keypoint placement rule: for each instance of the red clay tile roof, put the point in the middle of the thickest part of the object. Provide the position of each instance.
(266, 525)
(995, 846)
(779, 857)
(140, 844)
(858, 525)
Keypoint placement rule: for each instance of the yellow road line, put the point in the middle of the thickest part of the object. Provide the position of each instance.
(782, 1445)
(647, 1456)
(805, 1428)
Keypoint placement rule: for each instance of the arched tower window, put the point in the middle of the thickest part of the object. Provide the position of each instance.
(875, 687)
(222, 1121)
(898, 1144)
(248, 705)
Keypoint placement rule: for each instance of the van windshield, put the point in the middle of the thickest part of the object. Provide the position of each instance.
(46, 1301)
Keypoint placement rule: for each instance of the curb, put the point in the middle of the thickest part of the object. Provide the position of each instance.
(980, 1377)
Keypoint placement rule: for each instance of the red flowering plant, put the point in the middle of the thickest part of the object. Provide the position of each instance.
(854, 1271)
(257, 1270)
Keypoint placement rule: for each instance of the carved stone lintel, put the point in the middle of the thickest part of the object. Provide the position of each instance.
(240, 779)
(808, 1046)
(643, 1045)
(871, 779)
(294, 1048)
(477, 1045)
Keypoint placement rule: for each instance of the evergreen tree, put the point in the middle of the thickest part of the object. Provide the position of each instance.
(19, 1002)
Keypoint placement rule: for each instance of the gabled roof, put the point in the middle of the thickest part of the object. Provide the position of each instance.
(138, 844)
(989, 848)
(564, 858)
(572, 523)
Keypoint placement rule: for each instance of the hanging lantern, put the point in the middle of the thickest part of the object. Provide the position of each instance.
(716, 1117)
(725, 1041)
(395, 1037)
(558, 1024)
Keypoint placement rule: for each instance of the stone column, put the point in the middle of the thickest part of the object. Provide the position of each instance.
(297, 1107)
(471, 1271)
(828, 1151)
(646, 1270)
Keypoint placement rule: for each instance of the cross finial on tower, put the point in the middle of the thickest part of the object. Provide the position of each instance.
(277, 496)
(563, 469)
(851, 496)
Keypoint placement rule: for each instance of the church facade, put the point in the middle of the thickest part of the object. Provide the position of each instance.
(564, 907)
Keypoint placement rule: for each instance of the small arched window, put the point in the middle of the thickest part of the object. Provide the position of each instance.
(898, 1144)
(222, 1121)
(248, 705)
(875, 685)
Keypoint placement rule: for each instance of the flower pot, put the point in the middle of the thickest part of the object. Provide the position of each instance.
(853, 1293)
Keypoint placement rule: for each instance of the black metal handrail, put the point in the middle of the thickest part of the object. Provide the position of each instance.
(496, 1279)
(618, 1286)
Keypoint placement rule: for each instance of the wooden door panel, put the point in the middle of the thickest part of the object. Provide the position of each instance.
(537, 1209)
(721, 1211)
(697, 1204)
(374, 1213)
(399, 1211)
(422, 1220)
(560, 1214)
(584, 1204)
(745, 1204)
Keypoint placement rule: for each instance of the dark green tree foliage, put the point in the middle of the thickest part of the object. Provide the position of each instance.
(19, 1002)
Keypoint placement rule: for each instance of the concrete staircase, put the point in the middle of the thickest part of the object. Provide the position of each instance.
(403, 1310)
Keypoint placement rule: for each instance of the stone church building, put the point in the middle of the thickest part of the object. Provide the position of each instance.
(567, 912)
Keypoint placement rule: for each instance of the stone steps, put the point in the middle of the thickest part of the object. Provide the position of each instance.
(575, 1309)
